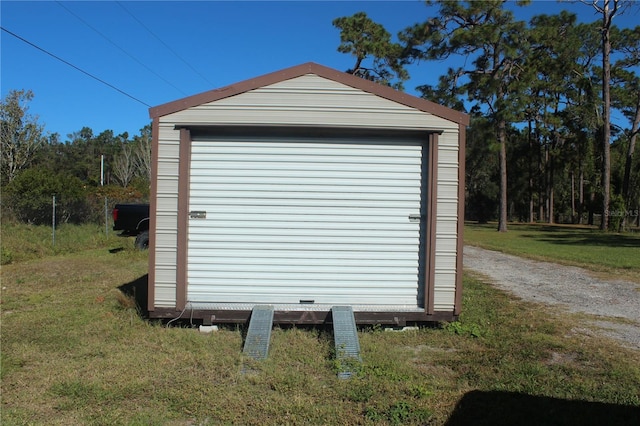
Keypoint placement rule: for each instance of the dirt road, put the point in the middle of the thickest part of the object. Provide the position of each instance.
(571, 288)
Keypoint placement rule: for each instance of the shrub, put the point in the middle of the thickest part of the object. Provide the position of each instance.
(30, 197)
(114, 194)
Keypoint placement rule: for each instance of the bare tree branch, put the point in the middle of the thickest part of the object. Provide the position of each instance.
(20, 134)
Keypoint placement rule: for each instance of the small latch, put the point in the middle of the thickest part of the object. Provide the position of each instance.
(198, 214)
(415, 217)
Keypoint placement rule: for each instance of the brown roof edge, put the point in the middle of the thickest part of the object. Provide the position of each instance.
(322, 71)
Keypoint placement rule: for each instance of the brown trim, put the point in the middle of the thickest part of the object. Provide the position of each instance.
(430, 243)
(462, 161)
(155, 132)
(183, 218)
(322, 71)
(304, 317)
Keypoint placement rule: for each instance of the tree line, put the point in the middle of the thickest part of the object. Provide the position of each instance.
(541, 145)
(80, 171)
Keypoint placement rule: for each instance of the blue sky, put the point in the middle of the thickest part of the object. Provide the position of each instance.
(195, 46)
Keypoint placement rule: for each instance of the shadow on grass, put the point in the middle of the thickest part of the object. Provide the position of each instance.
(587, 238)
(510, 408)
(139, 290)
(579, 235)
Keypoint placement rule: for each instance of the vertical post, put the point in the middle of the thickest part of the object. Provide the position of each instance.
(53, 222)
(106, 213)
(106, 217)
(573, 199)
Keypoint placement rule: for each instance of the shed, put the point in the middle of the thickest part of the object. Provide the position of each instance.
(305, 189)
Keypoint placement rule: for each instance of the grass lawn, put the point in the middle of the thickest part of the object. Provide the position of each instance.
(610, 253)
(26, 242)
(75, 351)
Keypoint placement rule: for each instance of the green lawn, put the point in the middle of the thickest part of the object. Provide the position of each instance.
(26, 242)
(74, 350)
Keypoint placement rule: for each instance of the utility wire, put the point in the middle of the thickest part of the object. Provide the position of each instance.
(74, 67)
(121, 49)
(163, 43)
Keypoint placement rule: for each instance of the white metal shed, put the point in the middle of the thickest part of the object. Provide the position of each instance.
(305, 189)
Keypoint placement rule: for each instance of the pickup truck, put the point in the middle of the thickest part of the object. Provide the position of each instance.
(133, 220)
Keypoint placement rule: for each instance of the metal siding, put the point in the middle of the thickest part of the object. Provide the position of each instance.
(447, 173)
(448, 156)
(447, 208)
(165, 294)
(449, 139)
(447, 227)
(304, 220)
(310, 100)
(446, 260)
(166, 216)
(446, 222)
(167, 168)
(164, 221)
(443, 297)
(164, 258)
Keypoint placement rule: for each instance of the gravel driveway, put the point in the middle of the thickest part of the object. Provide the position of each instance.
(573, 288)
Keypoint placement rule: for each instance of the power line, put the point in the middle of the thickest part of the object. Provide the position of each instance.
(74, 67)
(163, 43)
(121, 49)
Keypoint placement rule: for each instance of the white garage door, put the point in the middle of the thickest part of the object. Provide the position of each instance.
(305, 221)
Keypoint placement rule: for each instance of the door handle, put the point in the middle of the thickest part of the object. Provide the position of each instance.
(416, 217)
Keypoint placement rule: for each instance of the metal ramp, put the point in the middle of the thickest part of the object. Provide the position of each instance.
(256, 344)
(345, 336)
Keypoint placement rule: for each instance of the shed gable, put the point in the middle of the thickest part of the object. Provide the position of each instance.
(309, 100)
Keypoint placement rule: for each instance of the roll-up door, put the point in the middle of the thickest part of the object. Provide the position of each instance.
(301, 220)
